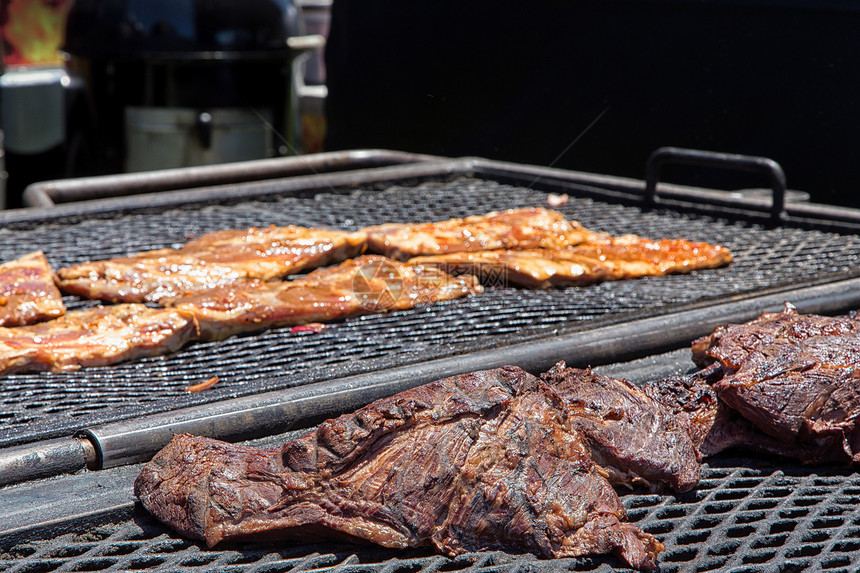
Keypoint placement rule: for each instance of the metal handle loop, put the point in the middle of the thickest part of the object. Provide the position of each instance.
(752, 163)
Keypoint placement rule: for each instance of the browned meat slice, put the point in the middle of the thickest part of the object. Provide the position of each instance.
(795, 377)
(527, 228)
(633, 437)
(368, 284)
(214, 259)
(27, 291)
(482, 461)
(604, 259)
(97, 337)
(715, 427)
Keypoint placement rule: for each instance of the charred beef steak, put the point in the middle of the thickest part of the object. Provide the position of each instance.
(482, 461)
(27, 291)
(714, 427)
(795, 377)
(633, 437)
(603, 259)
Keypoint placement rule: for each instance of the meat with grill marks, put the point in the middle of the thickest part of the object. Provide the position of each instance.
(95, 337)
(214, 259)
(526, 228)
(27, 291)
(600, 259)
(481, 461)
(634, 438)
(795, 377)
(366, 285)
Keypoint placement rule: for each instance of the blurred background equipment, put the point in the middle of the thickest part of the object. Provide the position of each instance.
(110, 86)
(598, 85)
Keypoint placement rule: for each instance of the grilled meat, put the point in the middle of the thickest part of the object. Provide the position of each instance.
(634, 438)
(480, 461)
(27, 291)
(601, 259)
(795, 377)
(365, 285)
(96, 337)
(215, 259)
(527, 228)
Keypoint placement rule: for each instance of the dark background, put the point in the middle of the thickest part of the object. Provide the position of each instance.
(598, 85)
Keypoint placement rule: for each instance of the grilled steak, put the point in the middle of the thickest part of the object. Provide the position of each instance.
(214, 259)
(633, 437)
(95, 337)
(527, 228)
(603, 259)
(481, 461)
(368, 284)
(795, 377)
(27, 291)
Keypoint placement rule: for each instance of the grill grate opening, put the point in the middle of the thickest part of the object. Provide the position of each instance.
(41, 406)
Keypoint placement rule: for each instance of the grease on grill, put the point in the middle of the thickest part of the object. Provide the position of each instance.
(202, 385)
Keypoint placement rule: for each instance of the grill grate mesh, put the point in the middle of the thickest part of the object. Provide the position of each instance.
(40, 406)
(745, 516)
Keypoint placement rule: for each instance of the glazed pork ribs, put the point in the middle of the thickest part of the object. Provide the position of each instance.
(215, 259)
(526, 228)
(28, 292)
(366, 285)
(601, 259)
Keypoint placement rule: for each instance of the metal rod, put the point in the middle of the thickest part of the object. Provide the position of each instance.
(44, 459)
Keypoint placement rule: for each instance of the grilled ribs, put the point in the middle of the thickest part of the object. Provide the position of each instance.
(601, 259)
(481, 461)
(795, 377)
(27, 291)
(214, 259)
(636, 440)
(96, 337)
(527, 228)
(365, 285)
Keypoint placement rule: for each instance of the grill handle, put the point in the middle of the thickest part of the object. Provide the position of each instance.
(696, 157)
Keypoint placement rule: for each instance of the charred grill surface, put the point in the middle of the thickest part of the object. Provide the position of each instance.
(36, 405)
(481, 461)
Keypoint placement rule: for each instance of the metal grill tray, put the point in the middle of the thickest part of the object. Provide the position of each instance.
(745, 516)
(41, 406)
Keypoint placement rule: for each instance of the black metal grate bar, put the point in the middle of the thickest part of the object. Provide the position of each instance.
(41, 406)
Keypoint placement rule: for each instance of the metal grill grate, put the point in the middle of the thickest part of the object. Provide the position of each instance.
(744, 517)
(40, 406)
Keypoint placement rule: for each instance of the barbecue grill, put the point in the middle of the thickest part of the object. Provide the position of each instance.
(188, 82)
(746, 515)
